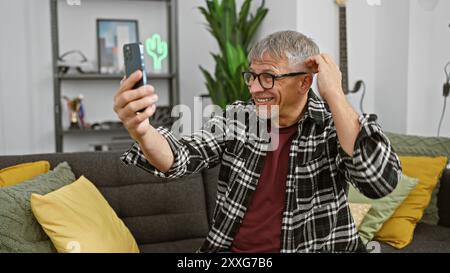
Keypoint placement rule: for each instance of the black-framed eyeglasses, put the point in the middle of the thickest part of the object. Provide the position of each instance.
(267, 80)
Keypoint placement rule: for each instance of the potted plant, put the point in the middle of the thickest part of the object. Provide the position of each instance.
(233, 32)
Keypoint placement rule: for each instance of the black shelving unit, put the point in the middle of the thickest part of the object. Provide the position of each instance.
(93, 131)
(109, 77)
(171, 77)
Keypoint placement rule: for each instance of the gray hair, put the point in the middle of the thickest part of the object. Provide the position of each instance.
(289, 44)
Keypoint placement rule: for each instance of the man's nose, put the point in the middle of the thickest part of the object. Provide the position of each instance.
(256, 87)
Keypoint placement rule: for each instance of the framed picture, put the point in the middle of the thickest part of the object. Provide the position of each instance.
(112, 34)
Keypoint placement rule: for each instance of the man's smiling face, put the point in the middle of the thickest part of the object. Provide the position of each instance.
(286, 95)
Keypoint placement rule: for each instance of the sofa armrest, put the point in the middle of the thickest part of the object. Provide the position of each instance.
(444, 199)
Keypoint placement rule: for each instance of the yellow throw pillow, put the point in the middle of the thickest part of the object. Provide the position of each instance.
(77, 218)
(22, 172)
(398, 230)
(358, 212)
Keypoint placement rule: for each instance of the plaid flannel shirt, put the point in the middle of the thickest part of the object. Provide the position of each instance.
(316, 217)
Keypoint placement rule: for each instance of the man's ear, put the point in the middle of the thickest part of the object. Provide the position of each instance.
(305, 84)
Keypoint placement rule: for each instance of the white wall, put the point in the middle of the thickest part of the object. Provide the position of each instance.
(320, 21)
(361, 51)
(412, 47)
(398, 49)
(440, 56)
(391, 64)
(429, 51)
(420, 39)
(282, 15)
(26, 115)
(195, 46)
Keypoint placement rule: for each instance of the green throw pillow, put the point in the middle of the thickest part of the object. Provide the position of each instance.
(19, 230)
(382, 208)
(423, 146)
(419, 145)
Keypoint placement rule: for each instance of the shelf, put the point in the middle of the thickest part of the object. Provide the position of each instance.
(97, 76)
(91, 131)
(171, 77)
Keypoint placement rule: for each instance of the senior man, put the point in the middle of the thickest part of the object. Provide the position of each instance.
(288, 197)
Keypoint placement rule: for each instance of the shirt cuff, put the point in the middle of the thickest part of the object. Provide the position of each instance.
(135, 156)
(369, 128)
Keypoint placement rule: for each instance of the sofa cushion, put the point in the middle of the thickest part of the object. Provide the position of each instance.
(19, 173)
(19, 230)
(78, 214)
(161, 211)
(420, 145)
(427, 238)
(382, 208)
(423, 146)
(359, 212)
(398, 230)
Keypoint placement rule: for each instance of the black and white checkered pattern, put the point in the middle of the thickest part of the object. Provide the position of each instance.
(316, 215)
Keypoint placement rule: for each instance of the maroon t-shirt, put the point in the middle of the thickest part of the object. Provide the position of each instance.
(260, 229)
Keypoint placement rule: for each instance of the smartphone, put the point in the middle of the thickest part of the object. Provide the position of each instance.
(134, 60)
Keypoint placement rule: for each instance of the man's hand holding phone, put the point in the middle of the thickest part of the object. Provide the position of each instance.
(128, 102)
(134, 104)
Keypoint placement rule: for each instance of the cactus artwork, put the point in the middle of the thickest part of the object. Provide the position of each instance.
(157, 49)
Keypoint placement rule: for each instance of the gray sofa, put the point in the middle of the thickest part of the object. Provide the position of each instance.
(174, 216)
(162, 216)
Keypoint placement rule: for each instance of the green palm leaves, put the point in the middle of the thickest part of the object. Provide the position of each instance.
(233, 33)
